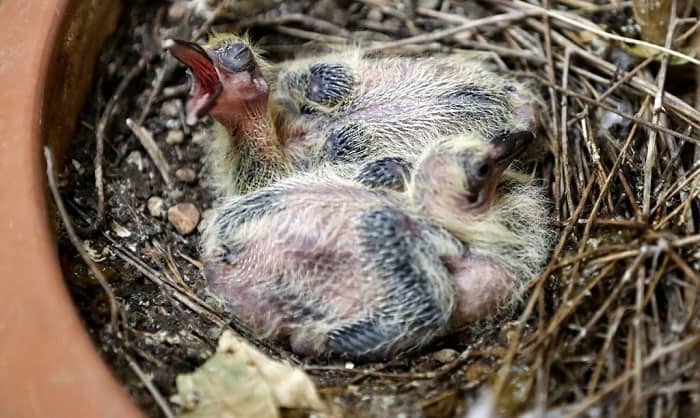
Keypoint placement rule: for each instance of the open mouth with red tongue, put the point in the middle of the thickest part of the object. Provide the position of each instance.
(206, 80)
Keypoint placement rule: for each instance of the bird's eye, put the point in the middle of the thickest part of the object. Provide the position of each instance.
(236, 57)
(484, 170)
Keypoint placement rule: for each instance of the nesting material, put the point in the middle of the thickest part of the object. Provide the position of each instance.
(611, 326)
(336, 267)
(340, 109)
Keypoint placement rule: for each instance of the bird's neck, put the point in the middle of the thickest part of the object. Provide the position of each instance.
(246, 154)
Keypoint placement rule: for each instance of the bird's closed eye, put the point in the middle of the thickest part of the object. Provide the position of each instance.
(484, 170)
(236, 57)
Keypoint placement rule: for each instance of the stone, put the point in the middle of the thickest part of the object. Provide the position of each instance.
(477, 372)
(175, 137)
(173, 124)
(375, 15)
(184, 217)
(136, 159)
(171, 108)
(155, 206)
(77, 166)
(176, 11)
(120, 230)
(185, 174)
(200, 137)
(446, 355)
(428, 4)
(175, 194)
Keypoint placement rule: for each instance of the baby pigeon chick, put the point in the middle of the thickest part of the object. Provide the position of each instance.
(338, 108)
(338, 268)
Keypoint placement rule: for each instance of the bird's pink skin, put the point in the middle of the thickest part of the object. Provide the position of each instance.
(240, 100)
(237, 99)
(482, 287)
(308, 263)
(246, 94)
(295, 248)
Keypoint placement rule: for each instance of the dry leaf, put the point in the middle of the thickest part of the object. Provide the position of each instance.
(239, 381)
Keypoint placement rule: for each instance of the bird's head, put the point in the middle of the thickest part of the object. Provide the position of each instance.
(226, 78)
(458, 175)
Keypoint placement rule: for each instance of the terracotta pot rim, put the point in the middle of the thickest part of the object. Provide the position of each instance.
(48, 365)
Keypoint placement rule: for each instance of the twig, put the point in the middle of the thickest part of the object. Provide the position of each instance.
(604, 106)
(161, 76)
(78, 244)
(436, 374)
(100, 133)
(669, 100)
(594, 29)
(446, 33)
(146, 138)
(309, 21)
(651, 359)
(620, 81)
(312, 36)
(563, 132)
(657, 109)
(162, 403)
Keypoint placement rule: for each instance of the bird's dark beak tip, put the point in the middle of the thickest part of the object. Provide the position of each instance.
(510, 146)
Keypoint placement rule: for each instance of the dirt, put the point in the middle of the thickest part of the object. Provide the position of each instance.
(162, 335)
(587, 331)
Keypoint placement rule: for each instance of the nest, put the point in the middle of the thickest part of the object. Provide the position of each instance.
(610, 328)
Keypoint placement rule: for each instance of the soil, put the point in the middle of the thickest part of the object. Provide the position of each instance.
(170, 325)
(162, 335)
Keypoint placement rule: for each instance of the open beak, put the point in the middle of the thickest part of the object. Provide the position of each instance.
(206, 82)
(510, 146)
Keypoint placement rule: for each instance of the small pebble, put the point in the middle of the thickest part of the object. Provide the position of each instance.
(175, 194)
(112, 69)
(176, 11)
(428, 4)
(199, 137)
(213, 333)
(446, 355)
(170, 108)
(184, 217)
(185, 174)
(477, 372)
(134, 158)
(173, 124)
(78, 167)
(120, 230)
(155, 206)
(375, 15)
(175, 137)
